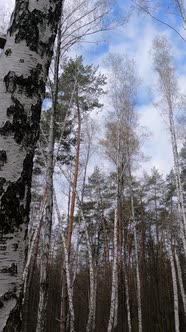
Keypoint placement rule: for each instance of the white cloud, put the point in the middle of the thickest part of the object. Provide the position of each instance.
(135, 40)
(157, 145)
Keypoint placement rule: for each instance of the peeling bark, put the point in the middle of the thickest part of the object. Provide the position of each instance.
(24, 67)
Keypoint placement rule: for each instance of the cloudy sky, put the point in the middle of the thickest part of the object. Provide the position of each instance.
(135, 39)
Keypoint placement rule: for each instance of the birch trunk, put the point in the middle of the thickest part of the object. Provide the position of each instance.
(168, 84)
(126, 285)
(137, 269)
(114, 276)
(24, 66)
(67, 272)
(175, 289)
(180, 280)
(47, 222)
(138, 283)
(28, 274)
(127, 299)
(73, 199)
(92, 296)
(116, 303)
(179, 189)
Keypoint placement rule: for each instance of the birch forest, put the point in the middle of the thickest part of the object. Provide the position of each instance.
(93, 166)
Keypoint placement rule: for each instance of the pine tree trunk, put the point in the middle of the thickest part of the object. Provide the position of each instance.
(24, 68)
(64, 303)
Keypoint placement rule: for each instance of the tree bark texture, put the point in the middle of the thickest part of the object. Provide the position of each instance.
(24, 65)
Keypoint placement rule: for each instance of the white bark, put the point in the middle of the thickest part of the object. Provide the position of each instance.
(23, 71)
(126, 285)
(180, 280)
(32, 247)
(92, 296)
(175, 289)
(127, 299)
(137, 268)
(168, 84)
(67, 268)
(116, 304)
(179, 189)
(114, 276)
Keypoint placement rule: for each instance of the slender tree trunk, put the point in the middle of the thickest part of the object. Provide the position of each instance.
(179, 190)
(127, 300)
(24, 66)
(116, 303)
(114, 276)
(47, 222)
(67, 273)
(28, 274)
(92, 295)
(106, 246)
(175, 289)
(126, 285)
(137, 269)
(64, 300)
(180, 280)
(73, 199)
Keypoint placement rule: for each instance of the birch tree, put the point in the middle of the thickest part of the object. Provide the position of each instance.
(114, 294)
(121, 145)
(164, 67)
(174, 284)
(24, 67)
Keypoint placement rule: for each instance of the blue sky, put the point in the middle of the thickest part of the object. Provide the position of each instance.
(135, 39)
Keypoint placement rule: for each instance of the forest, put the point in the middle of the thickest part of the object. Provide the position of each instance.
(92, 198)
